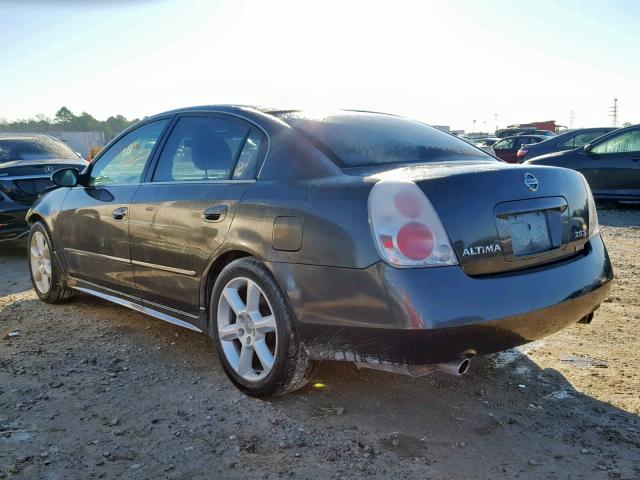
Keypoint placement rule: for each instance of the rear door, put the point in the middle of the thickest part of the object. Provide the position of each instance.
(182, 213)
(505, 150)
(94, 220)
(612, 166)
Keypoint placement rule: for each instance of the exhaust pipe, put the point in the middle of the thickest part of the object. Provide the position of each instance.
(457, 367)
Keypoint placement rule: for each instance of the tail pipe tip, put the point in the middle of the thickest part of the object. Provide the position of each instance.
(457, 367)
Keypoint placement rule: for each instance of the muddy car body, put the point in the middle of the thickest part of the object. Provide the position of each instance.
(349, 236)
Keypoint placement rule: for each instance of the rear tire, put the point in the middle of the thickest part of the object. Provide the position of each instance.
(46, 275)
(254, 333)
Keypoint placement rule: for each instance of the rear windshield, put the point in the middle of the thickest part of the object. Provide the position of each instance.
(34, 148)
(356, 139)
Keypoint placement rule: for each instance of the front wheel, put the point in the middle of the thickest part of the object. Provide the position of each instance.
(46, 276)
(256, 342)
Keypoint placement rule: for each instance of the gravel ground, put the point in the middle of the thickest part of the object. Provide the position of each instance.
(93, 390)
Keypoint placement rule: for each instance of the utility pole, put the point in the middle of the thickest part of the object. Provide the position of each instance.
(572, 117)
(613, 112)
(495, 117)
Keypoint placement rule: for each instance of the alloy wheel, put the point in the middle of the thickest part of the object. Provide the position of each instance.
(247, 329)
(40, 257)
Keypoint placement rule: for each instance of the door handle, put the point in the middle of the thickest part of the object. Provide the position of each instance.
(119, 213)
(215, 213)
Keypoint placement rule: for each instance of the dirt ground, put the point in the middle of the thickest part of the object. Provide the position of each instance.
(93, 390)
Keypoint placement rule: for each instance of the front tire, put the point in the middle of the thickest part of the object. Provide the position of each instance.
(46, 276)
(253, 331)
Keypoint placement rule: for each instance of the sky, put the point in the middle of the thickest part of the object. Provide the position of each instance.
(467, 64)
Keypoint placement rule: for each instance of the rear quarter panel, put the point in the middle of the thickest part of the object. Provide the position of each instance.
(334, 214)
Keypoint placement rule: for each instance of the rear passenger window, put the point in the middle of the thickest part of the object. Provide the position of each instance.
(581, 139)
(248, 161)
(505, 144)
(201, 148)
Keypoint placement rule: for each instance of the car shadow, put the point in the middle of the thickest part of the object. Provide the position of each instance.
(506, 411)
(14, 273)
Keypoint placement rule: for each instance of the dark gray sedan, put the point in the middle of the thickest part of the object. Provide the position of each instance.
(610, 163)
(564, 141)
(291, 237)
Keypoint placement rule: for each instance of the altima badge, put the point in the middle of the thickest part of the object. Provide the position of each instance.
(481, 250)
(530, 181)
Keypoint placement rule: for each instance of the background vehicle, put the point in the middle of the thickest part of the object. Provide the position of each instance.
(291, 237)
(564, 141)
(26, 164)
(509, 132)
(486, 143)
(507, 148)
(611, 164)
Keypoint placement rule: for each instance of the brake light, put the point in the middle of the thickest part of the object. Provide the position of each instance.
(415, 241)
(594, 224)
(406, 228)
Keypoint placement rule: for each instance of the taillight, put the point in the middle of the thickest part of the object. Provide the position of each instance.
(594, 225)
(406, 229)
(521, 153)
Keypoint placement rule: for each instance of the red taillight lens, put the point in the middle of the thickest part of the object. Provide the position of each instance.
(415, 241)
(406, 228)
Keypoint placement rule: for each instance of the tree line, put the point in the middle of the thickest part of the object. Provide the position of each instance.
(65, 120)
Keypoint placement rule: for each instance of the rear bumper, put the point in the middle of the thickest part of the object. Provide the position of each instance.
(433, 315)
(13, 224)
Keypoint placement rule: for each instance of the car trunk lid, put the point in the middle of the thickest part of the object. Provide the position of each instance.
(503, 217)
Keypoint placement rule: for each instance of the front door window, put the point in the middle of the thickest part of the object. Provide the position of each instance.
(124, 162)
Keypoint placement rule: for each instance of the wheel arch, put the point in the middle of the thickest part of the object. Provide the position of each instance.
(214, 268)
(33, 217)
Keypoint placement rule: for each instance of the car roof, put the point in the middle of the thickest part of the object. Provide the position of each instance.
(243, 109)
(583, 130)
(23, 136)
(528, 135)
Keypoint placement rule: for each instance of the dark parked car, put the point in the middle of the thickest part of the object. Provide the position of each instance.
(564, 141)
(507, 148)
(611, 164)
(291, 238)
(26, 164)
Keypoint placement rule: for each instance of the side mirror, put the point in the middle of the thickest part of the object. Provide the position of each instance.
(587, 147)
(66, 177)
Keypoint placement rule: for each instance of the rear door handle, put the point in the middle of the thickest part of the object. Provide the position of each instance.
(215, 213)
(119, 213)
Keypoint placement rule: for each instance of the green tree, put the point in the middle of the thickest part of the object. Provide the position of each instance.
(65, 120)
(64, 116)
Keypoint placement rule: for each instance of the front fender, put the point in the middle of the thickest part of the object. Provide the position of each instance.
(47, 208)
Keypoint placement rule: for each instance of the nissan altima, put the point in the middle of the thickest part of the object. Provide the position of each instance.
(291, 237)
